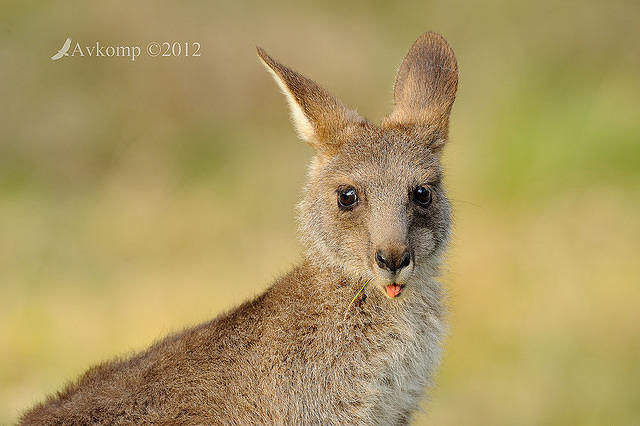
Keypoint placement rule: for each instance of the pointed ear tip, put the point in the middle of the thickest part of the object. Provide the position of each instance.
(263, 55)
(433, 38)
(432, 41)
(432, 35)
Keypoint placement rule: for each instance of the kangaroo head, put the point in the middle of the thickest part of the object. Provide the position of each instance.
(375, 205)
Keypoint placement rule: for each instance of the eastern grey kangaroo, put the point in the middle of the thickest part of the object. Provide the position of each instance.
(353, 334)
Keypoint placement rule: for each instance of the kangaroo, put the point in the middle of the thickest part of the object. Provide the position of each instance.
(353, 334)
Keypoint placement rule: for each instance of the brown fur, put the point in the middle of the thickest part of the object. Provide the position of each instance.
(291, 356)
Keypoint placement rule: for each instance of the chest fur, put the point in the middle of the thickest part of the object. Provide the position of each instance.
(374, 370)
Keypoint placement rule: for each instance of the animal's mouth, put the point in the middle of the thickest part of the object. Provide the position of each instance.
(394, 290)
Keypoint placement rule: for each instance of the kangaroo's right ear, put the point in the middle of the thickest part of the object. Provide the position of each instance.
(319, 118)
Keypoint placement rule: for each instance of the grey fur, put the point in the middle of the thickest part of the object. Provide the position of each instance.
(291, 356)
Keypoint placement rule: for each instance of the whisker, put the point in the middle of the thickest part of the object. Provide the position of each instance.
(466, 202)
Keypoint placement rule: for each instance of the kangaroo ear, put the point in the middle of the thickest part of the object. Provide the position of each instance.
(425, 89)
(319, 118)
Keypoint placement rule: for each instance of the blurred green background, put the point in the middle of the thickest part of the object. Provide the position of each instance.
(140, 197)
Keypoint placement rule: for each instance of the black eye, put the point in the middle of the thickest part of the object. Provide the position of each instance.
(347, 198)
(422, 196)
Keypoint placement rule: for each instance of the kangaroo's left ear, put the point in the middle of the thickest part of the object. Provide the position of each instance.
(425, 89)
(319, 118)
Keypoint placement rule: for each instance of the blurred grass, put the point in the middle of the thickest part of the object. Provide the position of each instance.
(127, 190)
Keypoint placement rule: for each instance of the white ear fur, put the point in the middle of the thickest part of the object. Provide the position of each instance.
(318, 117)
(303, 125)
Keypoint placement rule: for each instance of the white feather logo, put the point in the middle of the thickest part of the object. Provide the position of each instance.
(63, 51)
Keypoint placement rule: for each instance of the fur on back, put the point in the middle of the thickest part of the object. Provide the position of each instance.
(300, 353)
(287, 357)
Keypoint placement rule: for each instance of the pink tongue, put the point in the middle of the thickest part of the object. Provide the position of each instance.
(393, 290)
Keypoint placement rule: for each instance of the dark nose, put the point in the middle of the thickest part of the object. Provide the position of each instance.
(393, 261)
